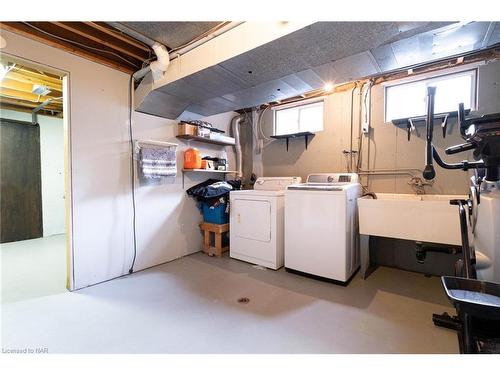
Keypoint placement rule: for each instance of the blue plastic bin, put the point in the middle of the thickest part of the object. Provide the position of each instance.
(215, 215)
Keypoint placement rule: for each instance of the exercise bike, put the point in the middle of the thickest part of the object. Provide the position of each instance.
(477, 302)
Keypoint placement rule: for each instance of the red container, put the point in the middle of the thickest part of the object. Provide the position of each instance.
(192, 159)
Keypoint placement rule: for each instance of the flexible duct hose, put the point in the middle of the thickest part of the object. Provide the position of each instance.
(235, 129)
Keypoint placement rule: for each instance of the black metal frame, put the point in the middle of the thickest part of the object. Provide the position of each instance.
(287, 137)
(462, 323)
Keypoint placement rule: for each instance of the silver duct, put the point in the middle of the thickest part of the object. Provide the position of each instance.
(235, 129)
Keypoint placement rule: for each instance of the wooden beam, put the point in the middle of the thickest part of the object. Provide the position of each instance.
(16, 85)
(73, 29)
(117, 34)
(26, 31)
(36, 75)
(15, 76)
(61, 34)
(43, 112)
(27, 104)
(14, 107)
(25, 87)
(11, 93)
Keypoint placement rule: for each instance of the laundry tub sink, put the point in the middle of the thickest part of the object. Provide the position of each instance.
(426, 218)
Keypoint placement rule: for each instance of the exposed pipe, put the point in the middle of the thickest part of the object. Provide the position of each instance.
(235, 129)
(161, 51)
(401, 171)
(185, 48)
(39, 108)
(158, 67)
(132, 33)
(141, 73)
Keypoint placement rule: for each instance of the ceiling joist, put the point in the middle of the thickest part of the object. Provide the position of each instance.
(18, 86)
(90, 52)
(24, 78)
(90, 34)
(25, 87)
(29, 105)
(28, 96)
(116, 34)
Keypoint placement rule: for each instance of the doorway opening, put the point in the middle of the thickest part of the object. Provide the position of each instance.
(35, 192)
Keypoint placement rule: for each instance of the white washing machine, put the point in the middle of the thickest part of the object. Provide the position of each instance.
(321, 226)
(256, 222)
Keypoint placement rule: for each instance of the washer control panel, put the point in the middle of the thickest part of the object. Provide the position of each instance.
(332, 178)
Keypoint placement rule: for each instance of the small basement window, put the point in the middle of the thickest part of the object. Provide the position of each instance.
(293, 118)
(409, 99)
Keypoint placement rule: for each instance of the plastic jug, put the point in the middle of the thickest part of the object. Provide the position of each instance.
(192, 159)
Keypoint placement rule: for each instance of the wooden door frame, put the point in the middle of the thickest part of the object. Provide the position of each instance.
(68, 183)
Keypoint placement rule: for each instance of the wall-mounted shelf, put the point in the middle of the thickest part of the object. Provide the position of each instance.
(196, 138)
(411, 121)
(204, 171)
(306, 136)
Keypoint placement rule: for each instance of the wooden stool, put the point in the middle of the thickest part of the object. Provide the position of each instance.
(217, 230)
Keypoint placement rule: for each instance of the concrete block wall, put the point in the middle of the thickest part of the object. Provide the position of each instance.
(386, 147)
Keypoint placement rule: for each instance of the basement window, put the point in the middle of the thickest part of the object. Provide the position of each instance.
(304, 117)
(409, 99)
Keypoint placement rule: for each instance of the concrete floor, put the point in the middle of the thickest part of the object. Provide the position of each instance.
(190, 306)
(33, 268)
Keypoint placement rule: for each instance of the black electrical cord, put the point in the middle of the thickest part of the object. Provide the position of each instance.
(132, 170)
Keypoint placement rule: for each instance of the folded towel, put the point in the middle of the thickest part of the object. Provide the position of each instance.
(157, 162)
(157, 153)
(158, 172)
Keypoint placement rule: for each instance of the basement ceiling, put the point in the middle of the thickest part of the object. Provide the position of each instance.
(95, 41)
(172, 34)
(99, 42)
(302, 61)
(17, 89)
(289, 66)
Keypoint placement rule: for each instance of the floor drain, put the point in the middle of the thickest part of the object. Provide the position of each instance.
(243, 300)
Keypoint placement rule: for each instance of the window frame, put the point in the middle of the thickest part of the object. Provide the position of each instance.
(471, 70)
(301, 103)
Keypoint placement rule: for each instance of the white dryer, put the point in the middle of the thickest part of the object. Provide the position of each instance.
(321, 226)
(256, 222)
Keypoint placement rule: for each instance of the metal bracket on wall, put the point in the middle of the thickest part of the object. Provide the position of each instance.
(410, 122)
(287, 137)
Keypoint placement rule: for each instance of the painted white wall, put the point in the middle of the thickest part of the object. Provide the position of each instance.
(52, 169)
(167, 220)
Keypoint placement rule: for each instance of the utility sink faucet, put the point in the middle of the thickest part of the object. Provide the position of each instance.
(419, 185)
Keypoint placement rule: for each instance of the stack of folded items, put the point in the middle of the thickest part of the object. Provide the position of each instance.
(157, 162)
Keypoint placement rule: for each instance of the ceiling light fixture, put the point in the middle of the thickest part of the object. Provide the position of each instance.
(40, 90)
(328, 87)
(4, 69)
